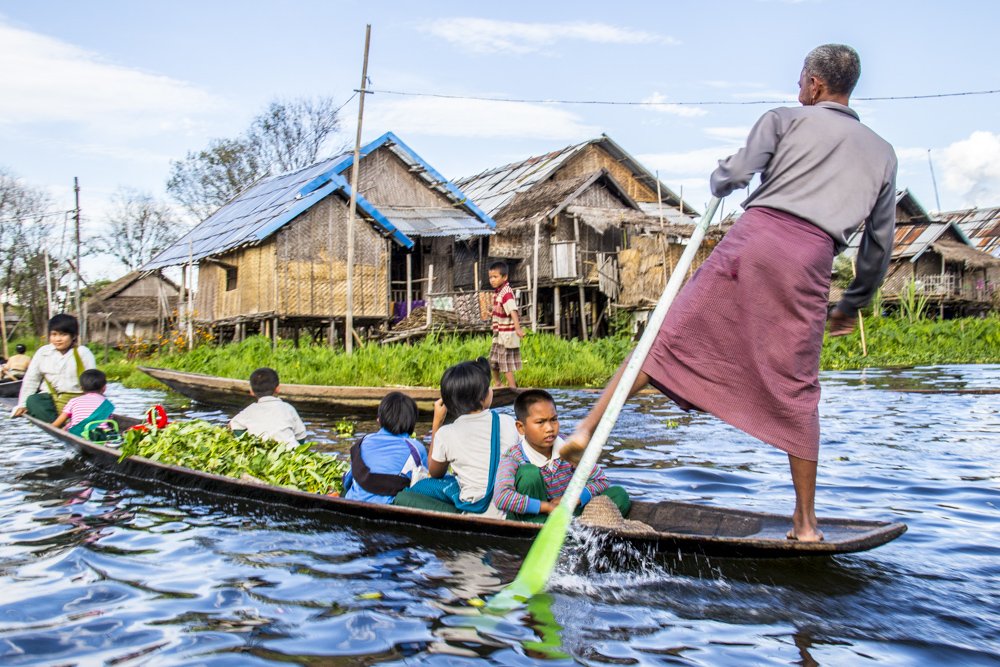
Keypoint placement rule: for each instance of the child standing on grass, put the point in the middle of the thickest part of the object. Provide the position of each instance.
(55, 370)
(472, 446)
(505, 353)
(383, 463)
(92, 406)
(532, 479)
(270, 417)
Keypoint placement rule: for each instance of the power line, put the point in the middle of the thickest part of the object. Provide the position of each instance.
(649, 103)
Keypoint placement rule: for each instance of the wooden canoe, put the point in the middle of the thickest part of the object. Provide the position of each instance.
(309, 397)
(680, 527)
(10, 388)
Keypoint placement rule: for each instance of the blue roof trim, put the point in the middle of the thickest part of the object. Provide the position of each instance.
(333, 183)
(458, 194)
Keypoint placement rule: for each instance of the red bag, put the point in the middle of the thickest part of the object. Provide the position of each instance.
(155, 416)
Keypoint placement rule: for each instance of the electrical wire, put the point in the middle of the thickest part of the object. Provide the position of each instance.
(667, 103)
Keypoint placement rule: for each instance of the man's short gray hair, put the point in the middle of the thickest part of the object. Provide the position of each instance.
(836, 65)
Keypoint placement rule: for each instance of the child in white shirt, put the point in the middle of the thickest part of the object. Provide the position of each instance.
(269, 417)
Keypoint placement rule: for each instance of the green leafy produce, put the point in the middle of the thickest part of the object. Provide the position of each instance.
(198, 445)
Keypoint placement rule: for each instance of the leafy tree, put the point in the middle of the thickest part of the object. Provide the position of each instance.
(287, 135)
(22, 237)
(139, 228)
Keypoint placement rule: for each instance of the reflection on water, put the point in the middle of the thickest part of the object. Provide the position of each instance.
(97, 569)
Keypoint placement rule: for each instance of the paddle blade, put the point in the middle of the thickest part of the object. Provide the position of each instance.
(538, 565)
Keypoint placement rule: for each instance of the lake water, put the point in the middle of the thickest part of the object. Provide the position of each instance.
(98, 570)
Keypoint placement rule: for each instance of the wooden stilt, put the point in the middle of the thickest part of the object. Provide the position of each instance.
(295, 335)
(557, 311)
(581, 277)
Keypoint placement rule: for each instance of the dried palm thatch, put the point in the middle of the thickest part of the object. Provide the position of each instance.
(959, 253)
(601, 512)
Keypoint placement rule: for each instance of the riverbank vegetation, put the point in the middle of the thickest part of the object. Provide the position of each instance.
(548, 361)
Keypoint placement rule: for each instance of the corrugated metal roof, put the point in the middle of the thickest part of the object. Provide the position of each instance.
(911, 239)
(425, 221)
(268, 205)
(981, 225)
(495, 188)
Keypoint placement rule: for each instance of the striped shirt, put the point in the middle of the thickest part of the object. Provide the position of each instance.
(556, 476)
(504, 306)
(81, 407)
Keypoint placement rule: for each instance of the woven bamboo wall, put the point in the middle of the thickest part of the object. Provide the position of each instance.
(592, 158)
(312, 264)
(641, 268)
(290, 274)
(387, 181)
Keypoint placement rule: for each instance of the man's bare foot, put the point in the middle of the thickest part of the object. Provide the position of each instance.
(814, 535)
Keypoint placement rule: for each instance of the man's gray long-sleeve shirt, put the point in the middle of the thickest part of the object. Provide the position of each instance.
(822, 165)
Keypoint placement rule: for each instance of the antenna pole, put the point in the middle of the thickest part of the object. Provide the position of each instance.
(349, 319)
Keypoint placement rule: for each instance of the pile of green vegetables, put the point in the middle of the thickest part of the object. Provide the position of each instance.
(198, 445)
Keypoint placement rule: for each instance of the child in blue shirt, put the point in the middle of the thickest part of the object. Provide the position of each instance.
(383, 463)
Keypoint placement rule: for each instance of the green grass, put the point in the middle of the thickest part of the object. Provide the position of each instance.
(894, 342)
(548, 361)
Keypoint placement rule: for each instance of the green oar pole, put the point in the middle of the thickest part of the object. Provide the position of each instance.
(541, 559)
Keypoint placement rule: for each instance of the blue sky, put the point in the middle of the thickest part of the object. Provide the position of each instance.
(112, 91)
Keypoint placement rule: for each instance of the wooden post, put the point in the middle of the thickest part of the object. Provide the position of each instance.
(557, 311)
(76, 190)
(427, 294)
(107, 336)
(409, 283)
(3, 328)
(534, 324)
(190, 303)
(534, 289)
(48, 281)
(295, 335)
(475, 276)
(274, 332)
(182, 298)
(83, 325)
(580, 271)
(349, 327)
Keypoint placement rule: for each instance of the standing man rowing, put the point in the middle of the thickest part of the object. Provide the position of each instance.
(743, 338)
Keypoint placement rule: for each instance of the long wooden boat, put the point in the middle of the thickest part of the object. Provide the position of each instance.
(679, 527)
(10, 388)
(313, 397)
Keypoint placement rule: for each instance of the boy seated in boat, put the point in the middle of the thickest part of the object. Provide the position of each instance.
(17, 366)
(270, 417)
(55, 370)
(90, 407)
(383, 463)
(472, 446)
(532, 476)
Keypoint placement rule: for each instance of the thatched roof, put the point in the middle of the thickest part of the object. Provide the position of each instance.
(961, 253)
(539, 200)
(142, 309)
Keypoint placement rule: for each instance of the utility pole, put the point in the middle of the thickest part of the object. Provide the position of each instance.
(937, 200)
(349, 319)
(76, 190)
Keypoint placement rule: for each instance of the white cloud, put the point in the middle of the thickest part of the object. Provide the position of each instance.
(736, 135)
(972, 169)
(658, 102)
(692, 164)
(476, 35)
(45, 80)
(477, 118)
(908, 155)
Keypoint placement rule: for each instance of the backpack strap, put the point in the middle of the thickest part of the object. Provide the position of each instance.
(379, 484)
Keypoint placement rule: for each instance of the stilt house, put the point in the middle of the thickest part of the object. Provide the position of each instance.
(939, 258)
(275, 257)
(571, 224)
(143, 302)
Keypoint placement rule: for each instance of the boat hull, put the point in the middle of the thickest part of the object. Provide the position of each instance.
(10, 389)
(680, 527)
(309, 397)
